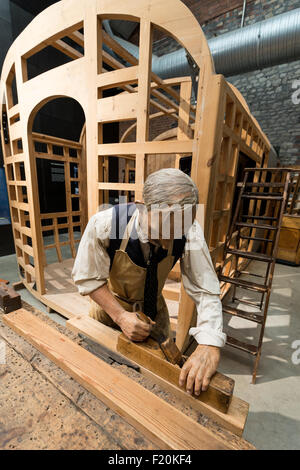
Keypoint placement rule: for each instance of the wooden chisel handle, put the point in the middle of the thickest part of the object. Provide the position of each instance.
(141, 316)
(168, 346)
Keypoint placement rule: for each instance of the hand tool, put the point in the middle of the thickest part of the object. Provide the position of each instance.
(106, 354)
(166, 344)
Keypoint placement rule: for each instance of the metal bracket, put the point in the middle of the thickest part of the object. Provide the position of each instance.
(194, 73)
(5, 127)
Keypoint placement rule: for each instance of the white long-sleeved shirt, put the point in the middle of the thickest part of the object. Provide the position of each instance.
(92, 264)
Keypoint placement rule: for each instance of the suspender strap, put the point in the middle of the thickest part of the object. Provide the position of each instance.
(128, 230)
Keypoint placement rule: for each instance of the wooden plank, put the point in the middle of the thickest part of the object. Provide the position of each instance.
(63, 47)
(77, 37)
(28, 249)
(125, 76)
(15, 131)
(121, 107)
(51, 215)
(24, 206)
(95, 330)
(50, 139)
(13, 111)
(159, 147)
(19, 158)
(235, 418)
(220, 389)
(69, 206)
(143, 110)
(27, 267)
(244, 147)
(120, 186)
(171, 291)
(83, 182)
(207, 130)
(17, 183)
(36, 273)
(93, 40)
(22, 229)
(167, 427)
(50, 40)
(56, 239)
(184, 110)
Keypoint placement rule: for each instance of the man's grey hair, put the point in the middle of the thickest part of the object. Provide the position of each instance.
(170, 186)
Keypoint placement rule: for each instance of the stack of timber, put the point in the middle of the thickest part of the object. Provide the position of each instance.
(167, 427)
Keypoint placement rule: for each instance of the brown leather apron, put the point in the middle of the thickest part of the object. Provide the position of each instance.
(127, 281)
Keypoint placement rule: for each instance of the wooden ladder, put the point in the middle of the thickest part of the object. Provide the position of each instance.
(254, 235)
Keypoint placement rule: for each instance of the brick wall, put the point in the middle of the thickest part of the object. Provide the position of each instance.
(268, 91)
(206, 10)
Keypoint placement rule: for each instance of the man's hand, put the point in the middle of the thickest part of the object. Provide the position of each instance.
(132, 327)
(199, 368)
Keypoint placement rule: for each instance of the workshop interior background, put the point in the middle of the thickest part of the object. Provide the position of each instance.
(268, 92)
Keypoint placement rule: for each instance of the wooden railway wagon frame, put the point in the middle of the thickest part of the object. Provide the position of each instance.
(217, 133)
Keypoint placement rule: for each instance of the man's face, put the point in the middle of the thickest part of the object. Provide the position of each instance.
(168, 223)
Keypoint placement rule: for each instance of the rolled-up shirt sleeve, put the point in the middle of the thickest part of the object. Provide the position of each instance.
(92, 262)
(202, 285)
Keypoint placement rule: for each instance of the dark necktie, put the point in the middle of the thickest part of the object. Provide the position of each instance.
(151, 285)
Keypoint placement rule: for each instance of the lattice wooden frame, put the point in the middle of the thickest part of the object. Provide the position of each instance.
(67, 147)
(213, 132)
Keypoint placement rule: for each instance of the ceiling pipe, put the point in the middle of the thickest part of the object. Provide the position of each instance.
(265, 44)
(270, 42)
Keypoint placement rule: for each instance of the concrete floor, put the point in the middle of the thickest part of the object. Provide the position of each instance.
(274, 417)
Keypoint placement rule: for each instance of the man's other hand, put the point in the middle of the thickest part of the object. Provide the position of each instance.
(198, 370)
(132, 327)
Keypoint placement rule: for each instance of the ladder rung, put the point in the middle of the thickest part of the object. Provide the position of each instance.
(271, 170)
(263, 185)
(263, 197)
(244, 284)
(257, 239)
(251, 274)
(259, 217)
(247, 302)
(263, 226)
(243, 314)
(235, 343)
(250, 255)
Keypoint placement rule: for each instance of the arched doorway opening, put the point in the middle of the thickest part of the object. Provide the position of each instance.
(58, 161)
